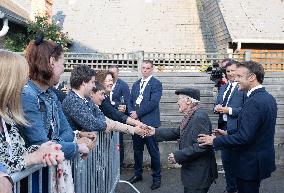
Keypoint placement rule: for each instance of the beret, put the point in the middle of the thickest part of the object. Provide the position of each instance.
(191, 92)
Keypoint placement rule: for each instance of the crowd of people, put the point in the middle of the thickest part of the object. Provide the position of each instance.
(42, 125)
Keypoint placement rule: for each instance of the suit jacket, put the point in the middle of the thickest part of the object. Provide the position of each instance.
(199, 167)
(236, 102)
(121, 89)
(111, 112)
(254, 140)
(149, 111)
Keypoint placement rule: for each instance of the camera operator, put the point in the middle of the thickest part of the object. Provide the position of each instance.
(218, 73)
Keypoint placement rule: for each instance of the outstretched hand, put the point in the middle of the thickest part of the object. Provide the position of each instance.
(151, 131)
(144, 130)
(205, 139)
(219, 132)
(171, 158)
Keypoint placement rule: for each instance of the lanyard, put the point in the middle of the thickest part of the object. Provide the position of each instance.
(8, 139)
(142, 87)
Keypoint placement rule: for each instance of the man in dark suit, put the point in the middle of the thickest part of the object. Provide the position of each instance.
(229, 103)
(119, 96)
(144, 105)
(199, 167)
(254, 138)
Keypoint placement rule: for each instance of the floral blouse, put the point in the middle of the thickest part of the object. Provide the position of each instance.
(16, 161)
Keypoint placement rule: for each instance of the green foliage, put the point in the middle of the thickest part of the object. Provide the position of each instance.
(18, 41)
(15, 42)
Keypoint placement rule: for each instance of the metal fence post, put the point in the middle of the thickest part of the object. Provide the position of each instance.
(139, 63)
(247, 55)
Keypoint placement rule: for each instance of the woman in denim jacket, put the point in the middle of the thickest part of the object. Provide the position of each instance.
(42, 109)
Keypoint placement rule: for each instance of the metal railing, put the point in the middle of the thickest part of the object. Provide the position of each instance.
(100, 173)
(272, 61)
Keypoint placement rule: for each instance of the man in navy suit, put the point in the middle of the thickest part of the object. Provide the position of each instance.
(229, 103)
(144, 105)
(119, 97)
(254, 138)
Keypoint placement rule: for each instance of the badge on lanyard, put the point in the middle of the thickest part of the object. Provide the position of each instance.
(141, 91)
(139, 99)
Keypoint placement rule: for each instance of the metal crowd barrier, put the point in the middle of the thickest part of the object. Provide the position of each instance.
(100, 173)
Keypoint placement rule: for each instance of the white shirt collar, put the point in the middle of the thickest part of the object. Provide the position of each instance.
(114, 84)
(79, 95)
(147, 79)
(234, 83)
(253, 89)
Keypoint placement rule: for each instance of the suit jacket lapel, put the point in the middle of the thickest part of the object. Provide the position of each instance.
(232, 94)
(147, 86)
(222, 91)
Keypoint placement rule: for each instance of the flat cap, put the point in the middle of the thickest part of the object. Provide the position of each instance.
(191, 92)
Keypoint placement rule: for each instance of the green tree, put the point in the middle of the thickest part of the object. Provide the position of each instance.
(19, 40)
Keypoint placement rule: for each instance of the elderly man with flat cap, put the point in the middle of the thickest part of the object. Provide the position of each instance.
(198, 163)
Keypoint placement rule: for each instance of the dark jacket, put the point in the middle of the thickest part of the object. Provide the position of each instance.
(254, 140)
(149, 112)
(112, 113)
(236, 102)
(199, 167)
(121, 89)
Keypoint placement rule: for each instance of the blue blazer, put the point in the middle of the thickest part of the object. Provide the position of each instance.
(149, 111)
(121, 89)
(236, 102)
(254, 140)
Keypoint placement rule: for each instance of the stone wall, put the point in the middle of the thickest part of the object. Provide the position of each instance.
(130, 25)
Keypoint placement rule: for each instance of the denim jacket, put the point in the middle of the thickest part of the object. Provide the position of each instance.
(46, 119)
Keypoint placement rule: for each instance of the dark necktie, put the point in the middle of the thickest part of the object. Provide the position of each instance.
(227, 95)
(141, 87)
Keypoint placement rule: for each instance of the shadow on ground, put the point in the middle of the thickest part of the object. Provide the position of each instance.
(171, 182)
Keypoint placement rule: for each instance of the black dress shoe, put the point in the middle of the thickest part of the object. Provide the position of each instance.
(135, 179)
(156, 185)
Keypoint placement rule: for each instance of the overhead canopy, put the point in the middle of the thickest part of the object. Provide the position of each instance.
(14, 12)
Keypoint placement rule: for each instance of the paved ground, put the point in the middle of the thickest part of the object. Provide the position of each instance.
(171, 182)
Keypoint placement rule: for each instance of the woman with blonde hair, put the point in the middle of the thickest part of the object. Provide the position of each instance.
(13, 153)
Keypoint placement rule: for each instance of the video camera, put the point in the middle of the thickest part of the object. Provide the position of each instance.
(217, 74)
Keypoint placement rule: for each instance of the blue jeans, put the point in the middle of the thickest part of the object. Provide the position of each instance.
(228, 160)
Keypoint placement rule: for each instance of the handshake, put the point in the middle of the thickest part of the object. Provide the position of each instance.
(144, 130)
